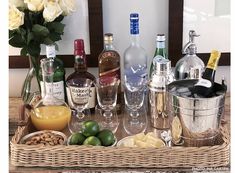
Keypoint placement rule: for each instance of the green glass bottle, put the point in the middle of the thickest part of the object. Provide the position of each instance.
(58, 77)
(160, 50)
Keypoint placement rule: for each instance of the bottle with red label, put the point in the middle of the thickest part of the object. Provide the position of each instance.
(109, 64)
(80, 67)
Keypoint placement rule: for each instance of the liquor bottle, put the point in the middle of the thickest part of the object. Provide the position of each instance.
(58, 76)
(135, 57)
(80, 67)
(204, 86)
(109, 64)
(160, 50)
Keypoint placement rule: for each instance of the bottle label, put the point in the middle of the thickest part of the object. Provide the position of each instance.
(50, 51)
(204, 82)
(158, 83)
(79, 96)
(161, 45)
(111, 73)
(58, 89)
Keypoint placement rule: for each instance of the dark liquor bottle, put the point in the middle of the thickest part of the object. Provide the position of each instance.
(160, 50)
(58, 76)
(109, 64)
(80, 67)
(204, 86)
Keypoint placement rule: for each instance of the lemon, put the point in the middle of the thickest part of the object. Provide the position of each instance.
(176, 129)
(140, 143)
(90, 128)
(77, 139)
(139, 136)
(156, 142)
(106, 137)
(92, 140)
(129, 142)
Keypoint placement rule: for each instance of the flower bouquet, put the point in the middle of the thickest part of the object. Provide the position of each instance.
(32, 23)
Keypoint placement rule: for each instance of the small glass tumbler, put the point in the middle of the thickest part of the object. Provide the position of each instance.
(106, 89)
(79, 91)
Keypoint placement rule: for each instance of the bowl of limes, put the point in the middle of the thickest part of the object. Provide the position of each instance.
(91, 134)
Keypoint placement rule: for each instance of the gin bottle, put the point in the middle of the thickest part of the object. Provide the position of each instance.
(58, 75)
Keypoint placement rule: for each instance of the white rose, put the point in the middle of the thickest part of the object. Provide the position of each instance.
(17, 3)
(35, 5)
(68, 6)
(51, 10)
(16, 18)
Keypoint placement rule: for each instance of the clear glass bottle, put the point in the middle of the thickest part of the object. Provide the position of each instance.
(58, 76)
(160, 50)
(135, 57)
(80, 67)
(190, 66)
(50, 113)
(109, 64)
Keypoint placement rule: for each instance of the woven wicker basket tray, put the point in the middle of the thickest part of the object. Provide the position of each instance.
(84, 156)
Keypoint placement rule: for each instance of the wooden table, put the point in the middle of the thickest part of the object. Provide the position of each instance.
(14, 120)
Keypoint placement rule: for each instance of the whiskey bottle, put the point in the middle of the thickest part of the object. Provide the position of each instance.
(80, 67)
(109, 64)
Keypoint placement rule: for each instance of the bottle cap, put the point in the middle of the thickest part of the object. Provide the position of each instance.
(134, 19)
(50, 51)
(78, 46)
(161, 37)
(161, 65)
(108, 37)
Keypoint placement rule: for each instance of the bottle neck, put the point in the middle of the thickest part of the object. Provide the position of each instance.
(211, 66)
(135, 40)
(160, 49)
(47, 75)
(80, 64)
(108, 46)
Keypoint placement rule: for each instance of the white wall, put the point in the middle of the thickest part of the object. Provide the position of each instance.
(153, 19)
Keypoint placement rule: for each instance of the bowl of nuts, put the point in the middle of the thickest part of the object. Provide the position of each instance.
(45, 138)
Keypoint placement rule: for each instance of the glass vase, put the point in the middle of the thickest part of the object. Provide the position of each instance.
(30, 92)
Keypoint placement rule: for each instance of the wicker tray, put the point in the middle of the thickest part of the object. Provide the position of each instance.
(84, 156)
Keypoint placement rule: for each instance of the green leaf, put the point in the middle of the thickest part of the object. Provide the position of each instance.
(17, 41)
(56, 26)
(48, 41)
(59, 19)
(55, 36)
(34, 49)
(40, 30)
(30, 37)
(11, 33)
(23, 51)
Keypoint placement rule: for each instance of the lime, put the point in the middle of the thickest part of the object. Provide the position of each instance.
(77, 139)
(90, 128)
(92, 140)
(106, 137)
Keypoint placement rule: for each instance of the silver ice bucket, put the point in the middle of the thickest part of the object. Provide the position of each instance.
(199, 117)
